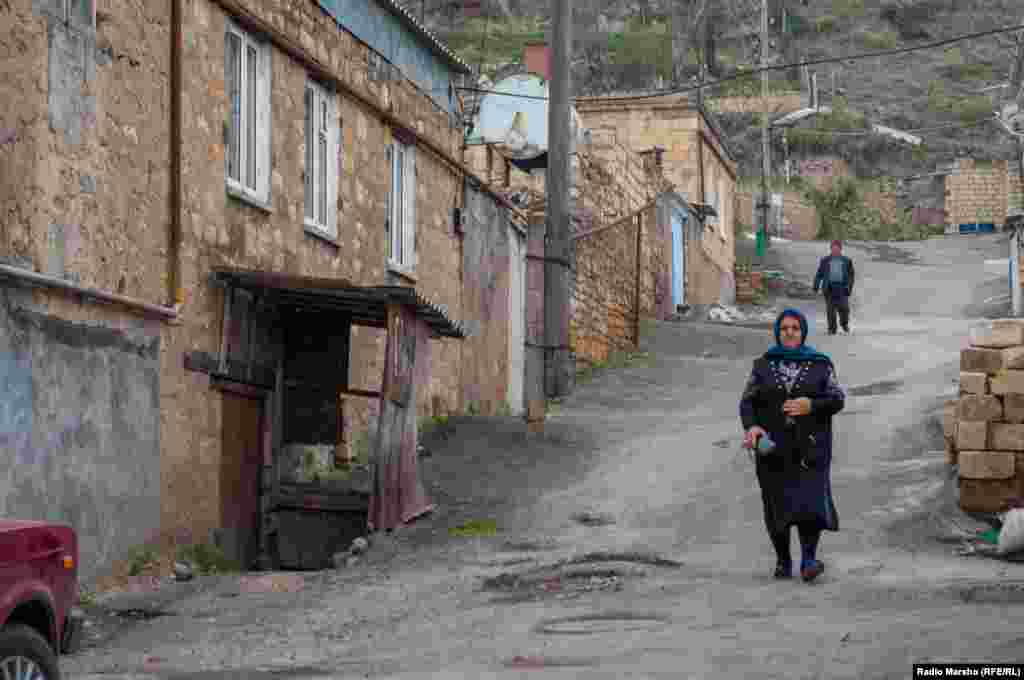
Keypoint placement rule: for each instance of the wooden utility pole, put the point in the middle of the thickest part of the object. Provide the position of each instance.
(558, 241)
(765, 137)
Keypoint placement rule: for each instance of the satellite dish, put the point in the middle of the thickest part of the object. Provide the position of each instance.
(515, 117)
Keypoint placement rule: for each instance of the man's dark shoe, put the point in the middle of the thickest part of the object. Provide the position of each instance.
(811, 570)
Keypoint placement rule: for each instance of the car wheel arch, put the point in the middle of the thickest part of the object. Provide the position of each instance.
(36, 613)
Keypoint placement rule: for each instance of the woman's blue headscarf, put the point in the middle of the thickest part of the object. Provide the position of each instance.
(802, 353)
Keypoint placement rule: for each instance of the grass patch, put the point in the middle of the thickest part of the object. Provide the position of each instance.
(552, 407)
(476, 527)
(749, 85)
(207, 559)
(86, 597)
(646, 45)
(848, 9)
(427, 424)
(879, 40)
(141, 559)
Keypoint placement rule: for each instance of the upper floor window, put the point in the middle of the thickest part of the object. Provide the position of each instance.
(247, 147)
(401, 208)
(322, 157)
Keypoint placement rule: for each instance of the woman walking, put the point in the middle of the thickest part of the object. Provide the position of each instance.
(789, 401)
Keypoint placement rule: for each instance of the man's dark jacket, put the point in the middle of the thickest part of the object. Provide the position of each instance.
(822, 279)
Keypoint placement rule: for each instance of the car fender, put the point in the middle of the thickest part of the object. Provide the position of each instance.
(31, 590)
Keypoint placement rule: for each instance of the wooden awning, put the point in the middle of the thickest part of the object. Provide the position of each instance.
(364, 305)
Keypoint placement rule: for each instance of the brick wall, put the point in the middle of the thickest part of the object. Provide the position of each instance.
(979, 192)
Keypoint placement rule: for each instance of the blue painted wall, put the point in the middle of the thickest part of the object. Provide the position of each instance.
(79, 430)
(386, 34)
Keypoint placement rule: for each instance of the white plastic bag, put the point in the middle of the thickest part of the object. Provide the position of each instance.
(1011, 536)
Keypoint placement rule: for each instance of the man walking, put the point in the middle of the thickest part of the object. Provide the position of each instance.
(835, 279)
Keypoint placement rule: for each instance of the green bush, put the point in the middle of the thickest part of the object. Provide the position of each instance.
(650, 44)
(140, 559)
(826, 24)
(207, 559)
(971, 72)
(843, 214)
(879, 40)
(972, 109)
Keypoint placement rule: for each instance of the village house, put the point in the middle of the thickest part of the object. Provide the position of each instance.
(238, 236)
(696, 161)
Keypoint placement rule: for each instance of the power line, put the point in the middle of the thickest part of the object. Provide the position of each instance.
(778, 67)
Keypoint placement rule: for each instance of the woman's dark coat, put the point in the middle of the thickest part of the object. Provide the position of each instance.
(794, 479)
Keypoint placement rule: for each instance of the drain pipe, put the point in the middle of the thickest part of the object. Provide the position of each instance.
(175, 292)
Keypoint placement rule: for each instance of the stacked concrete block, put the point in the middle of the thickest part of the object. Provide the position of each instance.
(984, 428)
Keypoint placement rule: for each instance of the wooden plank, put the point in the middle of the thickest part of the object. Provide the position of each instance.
(229, 293)
(371, 394)
(240, 389)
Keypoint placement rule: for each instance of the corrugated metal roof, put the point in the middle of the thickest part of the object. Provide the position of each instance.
(366, 305)
(435, 43)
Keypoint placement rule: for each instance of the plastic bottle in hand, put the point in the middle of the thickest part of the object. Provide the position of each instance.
(765, 445)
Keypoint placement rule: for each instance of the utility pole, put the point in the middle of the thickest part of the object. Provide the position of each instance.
(558, 240)
(765, 137)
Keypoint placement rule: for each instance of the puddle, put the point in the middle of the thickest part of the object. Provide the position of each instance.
(607, 622)
(875, 389)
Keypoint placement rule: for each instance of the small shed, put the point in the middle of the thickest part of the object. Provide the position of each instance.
(285, 343)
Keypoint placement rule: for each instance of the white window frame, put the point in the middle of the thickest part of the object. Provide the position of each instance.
(250, 180)
(321, 156)
(401, 207)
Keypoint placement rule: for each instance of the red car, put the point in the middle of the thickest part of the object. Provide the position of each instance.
(38, 594)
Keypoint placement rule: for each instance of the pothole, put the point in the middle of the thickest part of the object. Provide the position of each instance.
(604, 622)
(882, 387)
(649, 559)
(593, 519)
(140, 614)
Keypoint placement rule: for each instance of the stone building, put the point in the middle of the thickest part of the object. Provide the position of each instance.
(242, 184)
(696, 162)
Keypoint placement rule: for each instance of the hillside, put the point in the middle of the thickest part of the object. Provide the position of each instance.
(629, 45)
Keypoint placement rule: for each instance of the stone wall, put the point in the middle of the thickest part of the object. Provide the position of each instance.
(84, 149)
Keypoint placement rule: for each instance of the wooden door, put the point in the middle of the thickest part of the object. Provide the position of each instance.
(241, 460)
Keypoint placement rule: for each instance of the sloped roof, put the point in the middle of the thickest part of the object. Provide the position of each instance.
(428, 36)
(366, 305)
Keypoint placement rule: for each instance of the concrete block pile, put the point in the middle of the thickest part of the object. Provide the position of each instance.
(984, 428)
